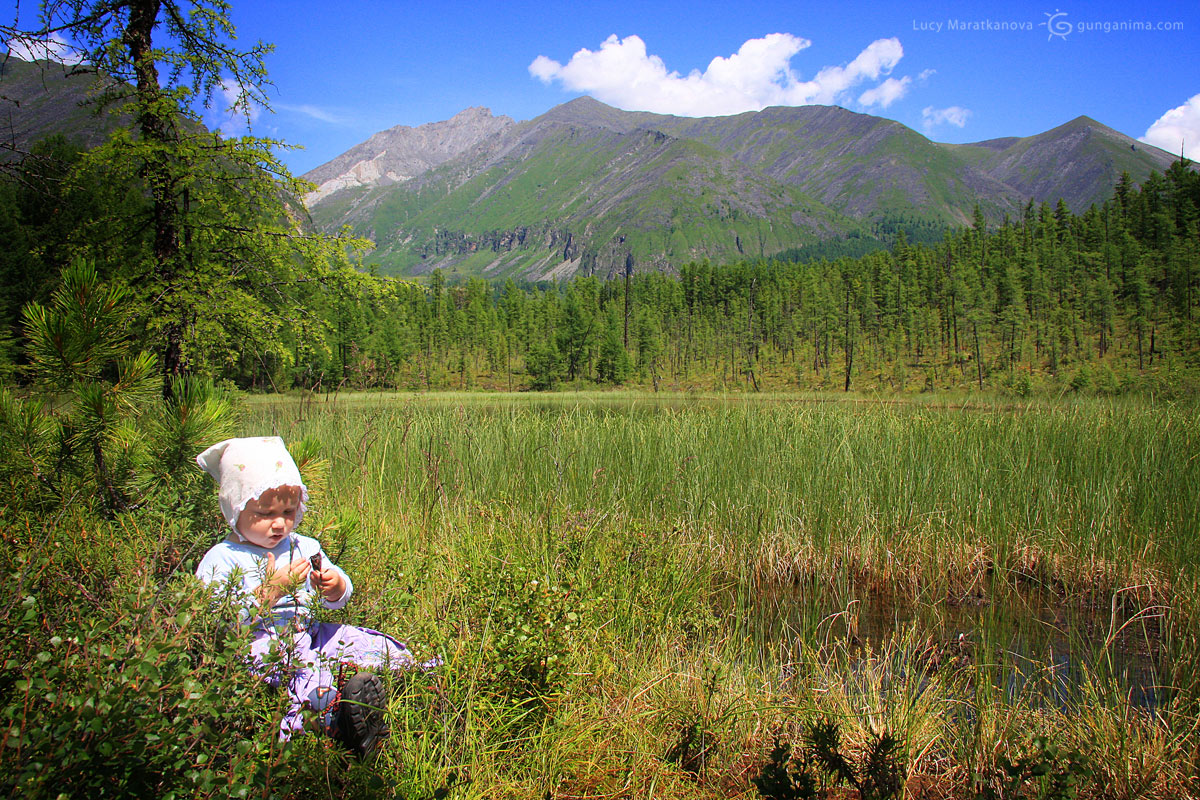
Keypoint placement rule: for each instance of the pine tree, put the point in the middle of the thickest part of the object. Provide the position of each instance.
(613, 364)
(217, 229)
(95, 428)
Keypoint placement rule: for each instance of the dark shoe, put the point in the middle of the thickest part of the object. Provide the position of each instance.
(360, 713)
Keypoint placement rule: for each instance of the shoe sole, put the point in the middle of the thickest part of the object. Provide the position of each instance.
(363, 701)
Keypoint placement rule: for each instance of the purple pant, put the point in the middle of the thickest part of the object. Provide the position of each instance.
(306, 664)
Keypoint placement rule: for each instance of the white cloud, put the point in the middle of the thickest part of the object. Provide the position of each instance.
(316, 112)
(1179, 127)
(954, 115)
(55, 48)
(758, 75)
(926, 74)
(231, 111)
(885, 93)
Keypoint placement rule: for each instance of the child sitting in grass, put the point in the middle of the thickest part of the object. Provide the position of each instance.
(277, 575)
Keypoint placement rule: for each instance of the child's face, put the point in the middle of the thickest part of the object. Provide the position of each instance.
(269, 518)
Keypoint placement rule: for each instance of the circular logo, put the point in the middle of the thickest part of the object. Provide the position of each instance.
(1057, 24)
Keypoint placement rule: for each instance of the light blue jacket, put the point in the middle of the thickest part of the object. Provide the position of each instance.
(247, 563)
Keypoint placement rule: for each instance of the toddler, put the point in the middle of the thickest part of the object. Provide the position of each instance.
(277, 575)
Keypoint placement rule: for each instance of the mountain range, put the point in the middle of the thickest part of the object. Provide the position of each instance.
(586, 188)
(41, 98)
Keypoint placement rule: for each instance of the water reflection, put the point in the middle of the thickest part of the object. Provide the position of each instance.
(1028, 644)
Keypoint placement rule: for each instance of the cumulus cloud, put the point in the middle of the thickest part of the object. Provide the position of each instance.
(954, 115)
(623, 74)
(1179, 127)
(926, 74)
(885, 93)
(54, 48)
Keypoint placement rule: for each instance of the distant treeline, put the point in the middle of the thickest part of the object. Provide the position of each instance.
(1105, 301)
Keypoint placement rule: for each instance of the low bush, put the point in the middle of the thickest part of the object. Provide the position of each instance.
(147, 695)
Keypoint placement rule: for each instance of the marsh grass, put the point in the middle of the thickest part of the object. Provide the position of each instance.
(1087, 498)
(742, 567)
(638, 596)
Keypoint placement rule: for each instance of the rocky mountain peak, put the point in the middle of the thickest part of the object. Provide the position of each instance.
(401, 153)
(589, 188)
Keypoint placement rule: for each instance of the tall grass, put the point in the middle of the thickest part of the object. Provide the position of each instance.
(729, 560)
(1090, 495)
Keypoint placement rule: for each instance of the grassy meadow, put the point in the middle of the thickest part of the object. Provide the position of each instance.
(644, 596)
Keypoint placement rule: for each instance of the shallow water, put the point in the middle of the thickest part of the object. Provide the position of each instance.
(618, 402)
(1034, 647)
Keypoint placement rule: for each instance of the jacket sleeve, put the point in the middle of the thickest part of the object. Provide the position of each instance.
(327, 563)
(345, 598)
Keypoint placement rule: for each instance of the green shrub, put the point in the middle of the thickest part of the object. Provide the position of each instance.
(821, 762)
(526, 626)
(97, 430)
(1045, 772)
(148, 696)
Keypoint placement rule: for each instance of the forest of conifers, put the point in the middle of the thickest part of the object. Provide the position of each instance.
(1104, 301)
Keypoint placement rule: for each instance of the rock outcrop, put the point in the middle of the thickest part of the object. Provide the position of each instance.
(401, 153)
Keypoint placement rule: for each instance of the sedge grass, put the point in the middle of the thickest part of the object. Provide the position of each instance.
(1088, 496)
(679, 522)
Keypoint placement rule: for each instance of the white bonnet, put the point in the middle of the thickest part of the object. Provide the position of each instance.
(245, 468)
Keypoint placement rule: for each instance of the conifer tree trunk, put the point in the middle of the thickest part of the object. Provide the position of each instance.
(155, 121)
(849, 343)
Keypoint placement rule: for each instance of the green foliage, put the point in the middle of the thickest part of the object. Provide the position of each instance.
(147, 695)
(1046, 772)
(194, 414)
(526, 628)
(1098, 303)
(44, 210)
(545, 366)
(822, 762)
(82, 334)
(783, 778)
(99, 427)
(1105, 302)
(318, 761)
(613, 365)
(202, 229)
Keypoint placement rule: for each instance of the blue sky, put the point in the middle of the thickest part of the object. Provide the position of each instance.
(958, 72)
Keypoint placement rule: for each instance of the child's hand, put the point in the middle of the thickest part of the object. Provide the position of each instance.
(278, 581)
(329, 583)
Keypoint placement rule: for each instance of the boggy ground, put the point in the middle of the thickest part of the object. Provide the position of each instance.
(1006, 591)
(635, 598)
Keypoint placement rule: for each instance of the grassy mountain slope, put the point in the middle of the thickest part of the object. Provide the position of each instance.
(555, 198)
(1080, 161)
(39, 98)
(863, 166)
(593, 188)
